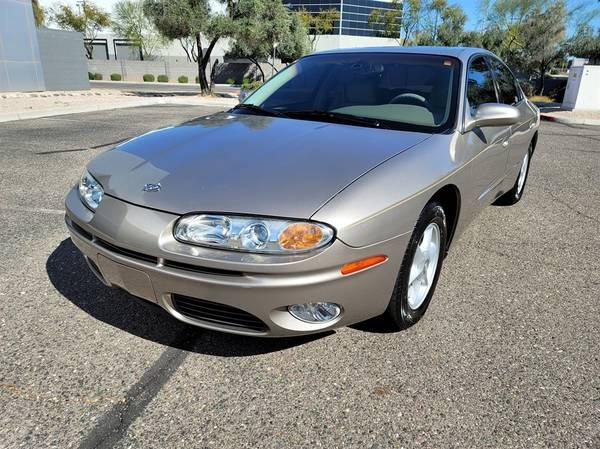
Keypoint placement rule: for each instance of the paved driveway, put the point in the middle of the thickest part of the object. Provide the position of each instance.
(507, 356)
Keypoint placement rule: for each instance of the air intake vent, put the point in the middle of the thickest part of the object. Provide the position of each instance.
(202, 270)
(126, 252)
(219, 314)
(82, 232)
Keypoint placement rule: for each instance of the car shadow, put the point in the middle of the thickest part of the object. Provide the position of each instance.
(377, 325)
(71, 276)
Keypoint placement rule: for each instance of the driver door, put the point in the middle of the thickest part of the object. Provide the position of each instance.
(488, 145)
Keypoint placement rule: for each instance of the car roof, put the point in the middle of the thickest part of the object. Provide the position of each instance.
(462, 53)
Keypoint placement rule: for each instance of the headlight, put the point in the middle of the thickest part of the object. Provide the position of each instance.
(259, 235)
(90, 191)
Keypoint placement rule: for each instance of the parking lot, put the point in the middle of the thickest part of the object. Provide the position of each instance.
(508, 354)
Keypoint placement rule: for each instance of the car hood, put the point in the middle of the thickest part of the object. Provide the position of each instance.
(245, 164)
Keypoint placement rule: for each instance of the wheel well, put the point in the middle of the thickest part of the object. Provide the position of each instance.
(449, 197)
(534, 142)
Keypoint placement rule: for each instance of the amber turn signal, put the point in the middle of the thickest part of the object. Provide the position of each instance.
(298, 236)
(362, 264)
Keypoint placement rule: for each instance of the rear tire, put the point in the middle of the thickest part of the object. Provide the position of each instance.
(420, 268)
(514, 195)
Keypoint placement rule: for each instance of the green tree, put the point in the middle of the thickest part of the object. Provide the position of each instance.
(39, 14)
(260, 26)
(129, 21)
(541, 37)
(296, 43)
(584, 44)
(420, 22)
(451, 30)
(89, 21)
(472, 39)
(409, 21)
(528, 34)
(387, 23)
(319, 23)
(503, 25)
(430, 17)
(442, 24)
(187, 20)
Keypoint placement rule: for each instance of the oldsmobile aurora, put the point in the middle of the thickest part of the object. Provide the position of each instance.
(330, 195)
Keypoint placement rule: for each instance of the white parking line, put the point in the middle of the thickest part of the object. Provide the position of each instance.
(38, 210)
(54, 119)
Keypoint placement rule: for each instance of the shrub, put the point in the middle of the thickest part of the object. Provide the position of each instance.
(97, 76)
(250, 84)
(197, 80)
(528, 88)
(162, 79)
(148, 78)
(115, 77)
(183, 79)
(230, 81)
(90, 76)
(558, 93)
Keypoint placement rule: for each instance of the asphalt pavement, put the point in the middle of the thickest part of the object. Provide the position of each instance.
(507, 355)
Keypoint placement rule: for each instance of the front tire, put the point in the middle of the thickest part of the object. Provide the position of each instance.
(420, 268)
(514, 195)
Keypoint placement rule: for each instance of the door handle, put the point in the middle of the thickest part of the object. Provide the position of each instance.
(531, 125)
(505, 143)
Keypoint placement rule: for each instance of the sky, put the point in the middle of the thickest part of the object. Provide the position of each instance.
(471, 8)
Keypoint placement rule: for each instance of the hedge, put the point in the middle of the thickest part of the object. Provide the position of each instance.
(97, 76)
(115, 77)
(162, 79)
(148, 78)
(250, 84)
(183, 79)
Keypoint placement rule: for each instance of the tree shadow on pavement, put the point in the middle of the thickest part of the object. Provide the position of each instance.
(71, 276)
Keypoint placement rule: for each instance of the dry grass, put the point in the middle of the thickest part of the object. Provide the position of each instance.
(541, 99)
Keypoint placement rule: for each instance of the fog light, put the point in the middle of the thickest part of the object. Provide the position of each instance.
(315, 312)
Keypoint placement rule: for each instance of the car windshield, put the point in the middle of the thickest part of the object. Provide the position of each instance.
(390, 90)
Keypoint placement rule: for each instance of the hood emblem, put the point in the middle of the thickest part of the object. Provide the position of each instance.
(152, 187)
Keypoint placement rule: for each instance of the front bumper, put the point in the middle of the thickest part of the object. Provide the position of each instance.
(133, 248)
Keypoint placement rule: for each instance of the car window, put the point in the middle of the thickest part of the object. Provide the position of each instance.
(480, 84)
(507, 85)
(400, 90)
(297, 92)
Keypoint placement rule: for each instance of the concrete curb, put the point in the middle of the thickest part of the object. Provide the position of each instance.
(569, 121)
(150, 83)
(26, 115)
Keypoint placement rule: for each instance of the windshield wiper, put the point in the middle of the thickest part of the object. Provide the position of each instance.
(258, 110)
(337, 117)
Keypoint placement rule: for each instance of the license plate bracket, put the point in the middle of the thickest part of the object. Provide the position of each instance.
(130, 279)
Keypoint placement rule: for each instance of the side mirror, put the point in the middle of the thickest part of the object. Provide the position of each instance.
(493, 114)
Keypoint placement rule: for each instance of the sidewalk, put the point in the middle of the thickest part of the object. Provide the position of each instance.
(576, 117)
(553, 112)
(28, 105)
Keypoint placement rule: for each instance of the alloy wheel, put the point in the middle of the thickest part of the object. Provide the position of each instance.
(424, 266)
